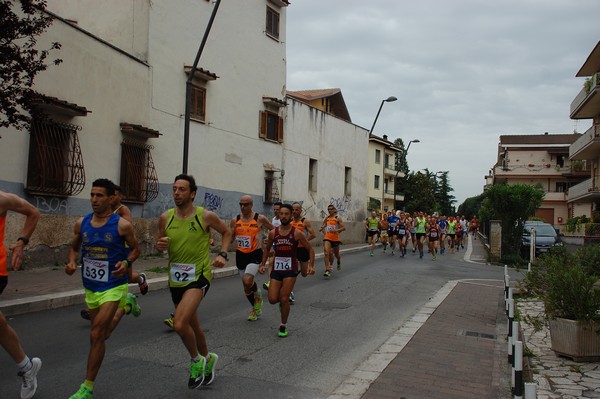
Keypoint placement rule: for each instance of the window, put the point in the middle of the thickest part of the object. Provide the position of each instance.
(385, 185)
(198, 103)
(312, 175)
(560, 160)
(376, 181)
(55, 164)
(377, 156)
(272, 28)
(271, 126)
(387, 161)
(347, 181)
(138, 175)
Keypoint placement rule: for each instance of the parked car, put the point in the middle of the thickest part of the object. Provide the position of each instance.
(546, 237)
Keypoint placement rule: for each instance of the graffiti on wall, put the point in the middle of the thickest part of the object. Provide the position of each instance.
(212, 202)
(343, 206)
(52, 205)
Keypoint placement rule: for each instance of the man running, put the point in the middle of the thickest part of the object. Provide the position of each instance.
(305, 226)
(275, 223)
(246, 229)
(402, 234)
(123, 211)
(331, 228)
(184, 232)
(433, 236)
(285, 240)
(9, 340)
(420, 230)
(372, 225)
(392, 232)
(101, 236)
(384, 226)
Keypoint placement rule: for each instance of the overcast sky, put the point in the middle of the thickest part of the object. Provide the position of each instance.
(464, 71)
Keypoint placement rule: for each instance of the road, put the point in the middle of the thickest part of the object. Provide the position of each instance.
(335, 324)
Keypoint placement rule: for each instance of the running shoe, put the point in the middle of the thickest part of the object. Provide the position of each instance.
(421, 255)
(258, 302)
(371, 253)
(283, 331)
(29, 379)
(134, 308)
(83, 393)
(143, 284)
(169, 321)
(327, 273)
(209, 369)
(253, 316)
(85, 314)
(392, 251)
(266, 285)
(433, 257)
(197, 370)
(292, 298)
(339, 265)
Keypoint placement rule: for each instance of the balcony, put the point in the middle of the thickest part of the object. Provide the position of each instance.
(584, 192)
(587, 103)
(389, 194)
(586, 147)
(555, 196)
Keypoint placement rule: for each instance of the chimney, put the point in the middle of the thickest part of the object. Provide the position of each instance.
(385, 137)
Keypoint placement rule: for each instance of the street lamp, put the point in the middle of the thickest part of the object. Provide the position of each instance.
(387, 100)
(398, 168)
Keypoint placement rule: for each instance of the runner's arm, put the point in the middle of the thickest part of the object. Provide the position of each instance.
(162, 243)
(261, 268)
(16, 204)
(311, 232)
(73, 253)
(127, 232)
(211, 220)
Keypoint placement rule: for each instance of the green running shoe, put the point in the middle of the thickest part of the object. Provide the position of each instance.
(209, 370)
(339, 265)
(266, 285)
(327, 273)
(253, 316)
(258, 302)
(283, 332)
(134, 308)
(83, 393)
(197, 370)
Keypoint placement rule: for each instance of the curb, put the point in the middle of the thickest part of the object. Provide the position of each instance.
(38, 303)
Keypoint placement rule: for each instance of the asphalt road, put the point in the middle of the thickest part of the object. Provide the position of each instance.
(335, 324)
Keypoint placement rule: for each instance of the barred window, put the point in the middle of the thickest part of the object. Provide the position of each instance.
(138, 174)
(55, 165)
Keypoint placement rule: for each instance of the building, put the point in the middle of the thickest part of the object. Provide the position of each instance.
(115, 108)
(383, 173)
(584, 198)
(540, 160)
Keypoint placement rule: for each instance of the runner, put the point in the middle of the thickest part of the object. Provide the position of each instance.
(331, 228)
(101, 237)
(420, 230)
(413, 232)
(451, 233)
(464, 231)
(246, 229)
(384, 226)
(305, 226)
(372, 227)
(285, 240)
(123, 211)
(393, 221)
(184, 232)
(443, 224)
(474, 227)
(433, 235)
(402, 234)
(275, 223)
(9, 340)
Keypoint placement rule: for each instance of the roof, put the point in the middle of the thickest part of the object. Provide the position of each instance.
(335, 100)
(539, 139)
(53, 104)
(591, 64)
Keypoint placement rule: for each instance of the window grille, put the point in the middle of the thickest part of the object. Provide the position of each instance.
(55, 165)
(138, 174)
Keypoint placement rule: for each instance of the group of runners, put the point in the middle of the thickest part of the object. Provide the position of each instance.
(105, 247)
(398, 228)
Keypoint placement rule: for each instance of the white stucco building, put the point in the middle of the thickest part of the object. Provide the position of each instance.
(116, 108)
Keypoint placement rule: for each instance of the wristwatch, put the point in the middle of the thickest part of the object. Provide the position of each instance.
(223, 254)
(24, 239)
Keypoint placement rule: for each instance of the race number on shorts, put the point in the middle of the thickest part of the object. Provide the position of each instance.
(182, 272)
(96, 270)
(282, 263)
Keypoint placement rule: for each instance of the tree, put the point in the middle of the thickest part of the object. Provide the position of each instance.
(20, 59)
(512, 205)
(420, 196)
(470, 207)
(444, 200)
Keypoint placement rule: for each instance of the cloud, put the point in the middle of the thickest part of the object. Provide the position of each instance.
(464, 71)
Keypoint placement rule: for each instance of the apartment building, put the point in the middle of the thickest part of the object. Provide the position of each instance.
(383, 174)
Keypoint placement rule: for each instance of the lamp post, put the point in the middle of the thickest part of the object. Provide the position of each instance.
(398, 168)
(387, 100)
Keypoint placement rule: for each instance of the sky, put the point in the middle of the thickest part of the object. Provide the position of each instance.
(464, 71)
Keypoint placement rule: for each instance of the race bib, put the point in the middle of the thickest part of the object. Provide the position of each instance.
(433, 234)
(243, 241)
(282, 263)
(401, 231)
(182, 272)
(331, 228)
(96, 270)
(373, 228)
(392, 225)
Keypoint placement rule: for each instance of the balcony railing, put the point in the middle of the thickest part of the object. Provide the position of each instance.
(586, 104)
(586, 147)
(584, 190)
(555, 196)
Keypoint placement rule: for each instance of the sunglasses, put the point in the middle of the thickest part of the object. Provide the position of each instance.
(244, 203)
(331, 209)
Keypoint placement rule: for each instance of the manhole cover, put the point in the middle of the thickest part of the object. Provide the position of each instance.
(476, 334)
(330, 305)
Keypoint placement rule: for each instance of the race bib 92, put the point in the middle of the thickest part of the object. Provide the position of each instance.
(182, 272)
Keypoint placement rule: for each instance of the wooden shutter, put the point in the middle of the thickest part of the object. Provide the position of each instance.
(262, 130)
(280, 130)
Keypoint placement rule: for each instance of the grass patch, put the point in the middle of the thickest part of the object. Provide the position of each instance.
(159, 269)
